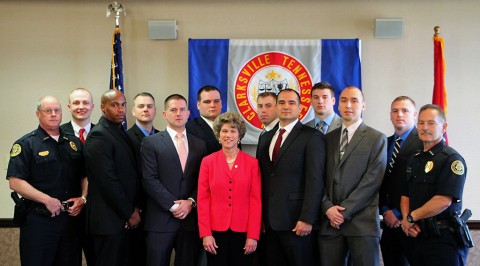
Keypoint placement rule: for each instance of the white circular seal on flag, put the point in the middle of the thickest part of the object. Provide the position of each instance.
(270, 72)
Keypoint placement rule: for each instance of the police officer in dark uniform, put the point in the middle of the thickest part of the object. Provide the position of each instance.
(47, 169)
(432, 195)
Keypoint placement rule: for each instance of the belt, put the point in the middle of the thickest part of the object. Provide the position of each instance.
(443, 224)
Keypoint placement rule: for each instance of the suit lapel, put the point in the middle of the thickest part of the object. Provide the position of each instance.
(168, 143)
(358, 136)
(289, 140)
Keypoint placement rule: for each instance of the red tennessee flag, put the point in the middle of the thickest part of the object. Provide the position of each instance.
(439, 90)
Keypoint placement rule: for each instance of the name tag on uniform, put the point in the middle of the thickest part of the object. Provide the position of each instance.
(43, 153)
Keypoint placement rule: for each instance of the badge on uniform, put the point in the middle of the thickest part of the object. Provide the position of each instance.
(457, 167)
(43, 153)
(16, 150)
(428, 166)
(73, 146)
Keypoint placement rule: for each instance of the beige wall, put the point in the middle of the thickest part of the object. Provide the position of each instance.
(51, 47)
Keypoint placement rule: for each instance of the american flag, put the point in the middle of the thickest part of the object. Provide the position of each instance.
(116, 73)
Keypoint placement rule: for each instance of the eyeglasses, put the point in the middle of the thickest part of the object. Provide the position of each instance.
(50, 111)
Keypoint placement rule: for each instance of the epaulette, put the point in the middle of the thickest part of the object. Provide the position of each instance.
(449, 151)
(417, 152)
(28, 135)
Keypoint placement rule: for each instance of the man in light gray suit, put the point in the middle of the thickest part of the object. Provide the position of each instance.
(170, 165)
(322, 101)
(356, 162)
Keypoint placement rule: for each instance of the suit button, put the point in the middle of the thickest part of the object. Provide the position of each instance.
(230, 181)
(229, 197)
(229, 205)
(229, 189)
(335, 182)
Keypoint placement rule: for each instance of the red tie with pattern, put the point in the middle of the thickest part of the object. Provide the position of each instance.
(278, 143)
(81, 135)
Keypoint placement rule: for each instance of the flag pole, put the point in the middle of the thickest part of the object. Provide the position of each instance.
(439, 97)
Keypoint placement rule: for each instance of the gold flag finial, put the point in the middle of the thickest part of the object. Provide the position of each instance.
(436, 29)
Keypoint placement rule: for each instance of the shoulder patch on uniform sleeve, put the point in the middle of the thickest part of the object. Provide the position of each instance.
(457, 167)
(16, 150)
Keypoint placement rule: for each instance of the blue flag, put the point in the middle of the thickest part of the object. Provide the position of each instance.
(116, 71)
(242, 69)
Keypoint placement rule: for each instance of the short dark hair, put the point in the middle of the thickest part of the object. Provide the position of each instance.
(288, 89)
(230, 118)
(323, 85)
(404, 98)
(174, 96)
(267, 94)
(434, 107)
(206, 88)
(144, 94)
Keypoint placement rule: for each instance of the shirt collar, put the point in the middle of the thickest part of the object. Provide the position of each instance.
(144, 131)
(290, 126)
(328, 120)
(352, 128)
(404, 136)
(271, 125)
(76, 128)
(173, 133)
(210, 123)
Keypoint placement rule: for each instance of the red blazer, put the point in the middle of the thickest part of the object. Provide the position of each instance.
(229, 198)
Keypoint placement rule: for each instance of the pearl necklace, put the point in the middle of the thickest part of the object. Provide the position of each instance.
(232, 160)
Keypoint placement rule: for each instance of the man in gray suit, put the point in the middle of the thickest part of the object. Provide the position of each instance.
(356, 162)
(170, 165)
(322, 101)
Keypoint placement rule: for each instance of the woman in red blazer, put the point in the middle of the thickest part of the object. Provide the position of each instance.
(229, 197)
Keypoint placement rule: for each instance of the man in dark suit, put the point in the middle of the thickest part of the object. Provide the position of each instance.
(322, 101)
(209, 104)
(80, 104)
(356, 162)
(292, 161)
(144, 111)
(113, 173)
(171, 188)
(402, 145)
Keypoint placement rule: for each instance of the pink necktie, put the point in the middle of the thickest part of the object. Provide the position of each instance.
(181, 149)
(81, 135)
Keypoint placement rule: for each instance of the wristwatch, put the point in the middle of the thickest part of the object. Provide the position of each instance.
(194, 204)
(410, 218)
(84, 200)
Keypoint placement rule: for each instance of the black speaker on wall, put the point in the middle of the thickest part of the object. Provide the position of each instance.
(388, 28)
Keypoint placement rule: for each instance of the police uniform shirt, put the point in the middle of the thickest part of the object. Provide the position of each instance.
(55, 168)
(439, 171)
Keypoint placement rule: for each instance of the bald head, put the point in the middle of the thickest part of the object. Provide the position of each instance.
(113, 106)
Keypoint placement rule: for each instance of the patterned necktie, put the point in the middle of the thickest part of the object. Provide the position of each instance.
(396, 150)
(278, 143)
(322, 126)
(181, 149)
(81, 135)
(344, 142)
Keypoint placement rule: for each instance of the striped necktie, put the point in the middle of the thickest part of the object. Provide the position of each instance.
(396, 150)
(344, 142)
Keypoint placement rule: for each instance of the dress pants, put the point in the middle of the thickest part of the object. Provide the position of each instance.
(187, 246)
(394, 245)
(341, 250)
(46, 240)
(285, 248)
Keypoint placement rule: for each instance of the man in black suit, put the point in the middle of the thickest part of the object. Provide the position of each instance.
(144, 111)
(171, 188)
(350, 224)
(113, 173)
(80, 104)
(209, 104)
(292, 163)
(402, 145)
